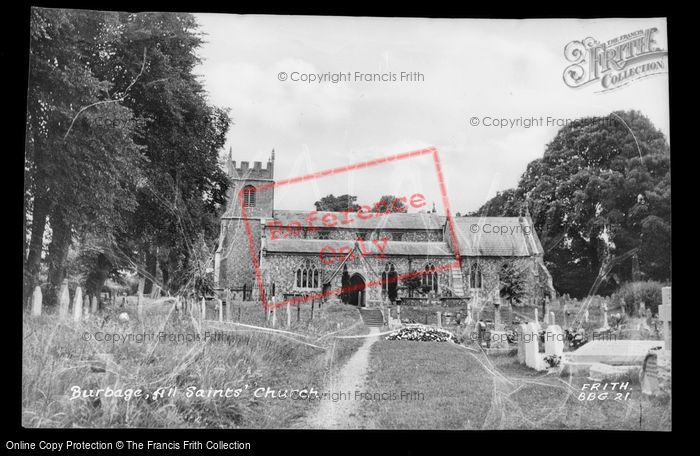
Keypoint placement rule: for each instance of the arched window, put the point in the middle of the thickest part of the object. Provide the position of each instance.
(475, 276)
(248, 196)
(388, 269)
(430, 277)
(307, 276)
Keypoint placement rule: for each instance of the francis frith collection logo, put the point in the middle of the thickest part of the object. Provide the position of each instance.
(614, 63)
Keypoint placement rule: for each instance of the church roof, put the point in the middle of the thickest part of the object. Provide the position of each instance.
(392, 221)
(497, 236)
(392, 247)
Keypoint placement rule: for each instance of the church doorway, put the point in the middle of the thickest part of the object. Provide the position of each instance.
(356, 296)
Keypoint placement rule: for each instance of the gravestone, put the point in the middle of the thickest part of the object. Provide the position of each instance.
(533, 359)
(552, 319)
(554, 340)
(604, 307)
(94, 305)
(220, 306)
(665, 315)
(229, 305)
(497, 317)
(78, 304)
(537, 321)
(522, 329)
(203, 309)
(36, 302)
(64, 301)
(585, 316)
(139, 296)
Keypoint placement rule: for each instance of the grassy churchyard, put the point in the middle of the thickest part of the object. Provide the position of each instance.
(463, 389)
(58, 356)
(407, 384)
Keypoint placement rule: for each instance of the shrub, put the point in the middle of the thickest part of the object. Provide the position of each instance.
(631, 294)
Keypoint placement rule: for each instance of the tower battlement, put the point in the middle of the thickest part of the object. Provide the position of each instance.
(257, 171)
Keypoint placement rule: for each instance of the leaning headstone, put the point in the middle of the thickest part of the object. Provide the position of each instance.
(533, 359)
(554, 340)
(64, 301)
(36, 301)
(78, 304)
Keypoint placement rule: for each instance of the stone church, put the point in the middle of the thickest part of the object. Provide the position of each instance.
(296, 257)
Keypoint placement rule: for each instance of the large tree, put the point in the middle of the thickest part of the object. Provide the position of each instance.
(78, 171)
(122, 146)
(602, 189)
(184, 186)
(389, 204)
(342, 203)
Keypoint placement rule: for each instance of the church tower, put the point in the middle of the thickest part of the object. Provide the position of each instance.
(250, 188)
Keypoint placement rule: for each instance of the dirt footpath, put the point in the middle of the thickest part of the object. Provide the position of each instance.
(343, 414)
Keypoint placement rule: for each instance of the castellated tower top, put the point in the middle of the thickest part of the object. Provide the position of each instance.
(256, 172)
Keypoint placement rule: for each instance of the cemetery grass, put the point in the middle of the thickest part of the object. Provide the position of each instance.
(56, 358)
(456, 392)
(548, 401)
(459, 394)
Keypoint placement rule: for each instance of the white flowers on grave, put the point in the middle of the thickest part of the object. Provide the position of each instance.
(422, 333)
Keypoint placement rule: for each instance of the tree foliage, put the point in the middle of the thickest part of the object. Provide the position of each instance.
(389, 204)
(602, 188)
(122, 147)
(342, 203)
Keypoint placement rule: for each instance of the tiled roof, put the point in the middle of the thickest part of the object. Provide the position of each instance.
(392, 247)
(393, 221)
(497, 236)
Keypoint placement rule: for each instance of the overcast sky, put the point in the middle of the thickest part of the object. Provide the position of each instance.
(471, 68)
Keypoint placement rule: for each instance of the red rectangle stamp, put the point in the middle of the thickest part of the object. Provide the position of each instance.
(337, 253)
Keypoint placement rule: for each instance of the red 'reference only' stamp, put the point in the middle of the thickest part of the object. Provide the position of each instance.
(278, 230)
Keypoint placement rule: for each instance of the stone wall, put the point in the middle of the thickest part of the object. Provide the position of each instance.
(236, 265)
(281, 268)
(490, 274)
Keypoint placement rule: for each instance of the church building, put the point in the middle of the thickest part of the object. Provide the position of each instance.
(302, 252)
